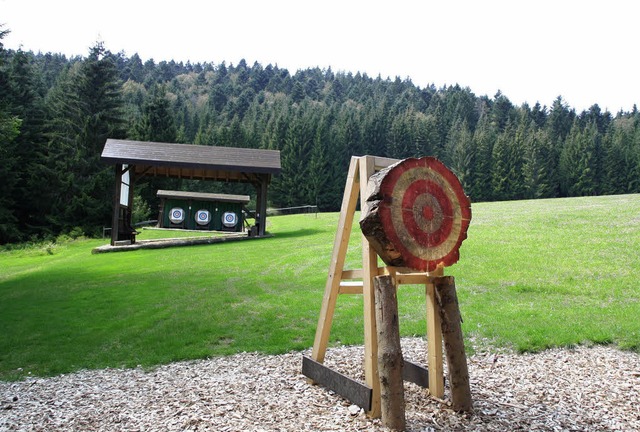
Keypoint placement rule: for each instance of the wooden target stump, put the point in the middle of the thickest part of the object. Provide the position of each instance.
(415, 217)
(417, 214)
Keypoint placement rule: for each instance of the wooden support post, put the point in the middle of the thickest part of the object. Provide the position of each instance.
(434, 341)
(116, 205)
(445, 290)
(390, 362)
(261, 204)
(369, 270)
(340, 245)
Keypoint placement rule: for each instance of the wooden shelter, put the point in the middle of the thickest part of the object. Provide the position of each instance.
(135, 159)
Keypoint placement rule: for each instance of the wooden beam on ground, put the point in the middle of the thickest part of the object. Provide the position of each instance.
(354, 391)
(416, 374)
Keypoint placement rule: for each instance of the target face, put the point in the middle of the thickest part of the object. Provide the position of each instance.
(424, 212)
(202, 217)
(176, 215)
(229, 219)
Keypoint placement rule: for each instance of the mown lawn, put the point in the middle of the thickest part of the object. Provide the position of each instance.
(532, 275)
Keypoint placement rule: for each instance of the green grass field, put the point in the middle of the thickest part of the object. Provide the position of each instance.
(532, 275)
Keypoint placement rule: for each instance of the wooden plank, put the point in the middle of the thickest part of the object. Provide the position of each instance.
(351, 287)
(352, 274)
(434, 340)
(340, 245)
(354, 391)
(370, 270)
(413, 278)
(383, 162)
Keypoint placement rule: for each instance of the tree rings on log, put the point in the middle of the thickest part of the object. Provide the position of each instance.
(416, 214)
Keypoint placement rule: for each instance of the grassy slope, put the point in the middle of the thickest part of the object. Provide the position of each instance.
(532, 274)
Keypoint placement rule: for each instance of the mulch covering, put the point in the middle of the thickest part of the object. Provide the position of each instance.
(582, 389)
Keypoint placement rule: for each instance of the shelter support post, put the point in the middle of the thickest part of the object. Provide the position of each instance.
(261, 204)
(115, 220)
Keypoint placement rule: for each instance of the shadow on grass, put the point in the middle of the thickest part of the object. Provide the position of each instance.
(303, 232)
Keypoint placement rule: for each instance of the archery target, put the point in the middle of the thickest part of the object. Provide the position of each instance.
(176, 215)
(203, 217)
(424, 212)
(229, 219)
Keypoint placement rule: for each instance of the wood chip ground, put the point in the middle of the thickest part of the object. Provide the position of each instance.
(581, 389)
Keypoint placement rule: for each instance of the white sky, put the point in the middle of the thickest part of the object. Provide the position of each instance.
(533, 51)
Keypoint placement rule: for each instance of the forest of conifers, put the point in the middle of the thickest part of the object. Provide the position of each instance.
(56, 113)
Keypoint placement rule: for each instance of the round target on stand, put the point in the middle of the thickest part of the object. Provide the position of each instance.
(229, 219)
(203, 217)
(176, 215)
(423, 212)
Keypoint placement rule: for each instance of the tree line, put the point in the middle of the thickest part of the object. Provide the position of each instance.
(57, 112)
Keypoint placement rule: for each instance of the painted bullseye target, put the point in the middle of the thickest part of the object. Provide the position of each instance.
(229, 219)
(203, 217)
(424, 213)
(176, 215)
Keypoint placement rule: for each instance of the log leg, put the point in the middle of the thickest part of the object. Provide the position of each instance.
(447, 299)
(390, 362)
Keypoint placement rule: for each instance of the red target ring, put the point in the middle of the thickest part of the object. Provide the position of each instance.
(424, 212)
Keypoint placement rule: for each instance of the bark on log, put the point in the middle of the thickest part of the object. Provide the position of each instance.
(371, 224)
(450, 320)
(390, 362)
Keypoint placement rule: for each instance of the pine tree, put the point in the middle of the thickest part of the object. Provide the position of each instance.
(621, 158)
(27, 105)
(462, 153)
(9, 131)
(484, 139)
(86, 108)
(506, 175)
(578, 161)
(157, 122)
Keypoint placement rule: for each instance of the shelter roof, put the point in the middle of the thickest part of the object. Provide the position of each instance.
(192, 161)
(202, 196)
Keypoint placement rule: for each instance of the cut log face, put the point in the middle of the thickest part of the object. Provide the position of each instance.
(416, 214)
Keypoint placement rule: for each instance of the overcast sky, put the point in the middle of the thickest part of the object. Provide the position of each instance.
(533, 51)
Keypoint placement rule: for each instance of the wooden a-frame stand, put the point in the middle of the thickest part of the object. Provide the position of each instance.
(341, 281)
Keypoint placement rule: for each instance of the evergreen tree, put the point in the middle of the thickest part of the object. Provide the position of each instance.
(484, 139)
(621, 159)
(539, 166)
(157, 122)
(560, 121)
(9, 131)
(290, 187)
(506, 175)
(27, 105)
(462, 153)
(323, 175)
(86, 108)
(578, 161)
